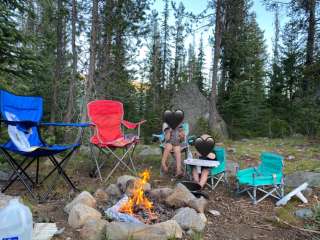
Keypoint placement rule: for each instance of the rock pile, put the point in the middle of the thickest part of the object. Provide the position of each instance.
(83, 213)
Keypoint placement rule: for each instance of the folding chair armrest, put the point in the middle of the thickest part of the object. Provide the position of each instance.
(131, 125)
(27, 124)
(66, 124)
(159, 137)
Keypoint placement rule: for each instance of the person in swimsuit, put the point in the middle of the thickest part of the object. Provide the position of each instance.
(174, 141)
(202, 178)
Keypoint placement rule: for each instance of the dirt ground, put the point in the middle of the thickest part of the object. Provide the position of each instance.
(239, 218)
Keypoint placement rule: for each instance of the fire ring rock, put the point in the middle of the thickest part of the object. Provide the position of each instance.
(188, 218)
(85, 198)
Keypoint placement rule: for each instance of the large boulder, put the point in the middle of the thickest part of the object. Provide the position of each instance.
(297, 178)
(84, 198)
(194, 104)
(188, 219)
(160, 231)
(81, 213)
(93, 229)
(148, 150)
(180, 197)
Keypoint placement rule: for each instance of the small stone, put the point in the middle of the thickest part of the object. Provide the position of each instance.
(304, 213)
(93, 229)
(188, 218)
(81, 213)
(122, 182)
(180, 197)
(84, 198)
(113, 191)
(101, 196)
(291, 157)
(203, 217)
(160, 194)
(214, 212)
(199, 204)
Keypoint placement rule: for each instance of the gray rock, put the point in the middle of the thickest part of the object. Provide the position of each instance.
(160, 231)
(122, 182)
(291, 157)
(297, 178)
(304, 213)
(93, 229)
(4, 176)
(214, 212)
(101, 196)
(113, 191)
(180, 197)
(232, 150)
(80, 214)
(148, 150)
(84, 198)
(160, 194)
(231, 168)
(5, 199)
(188, 218)
(198, 204)
(307, 192)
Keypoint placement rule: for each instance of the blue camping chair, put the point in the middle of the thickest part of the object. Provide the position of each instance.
(267, 178)
(22, 115)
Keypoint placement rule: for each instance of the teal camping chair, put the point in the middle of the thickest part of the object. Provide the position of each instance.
(185, 146)
(267, 178)
(218, 174)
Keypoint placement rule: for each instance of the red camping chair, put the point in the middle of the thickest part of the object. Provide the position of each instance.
(106, 118)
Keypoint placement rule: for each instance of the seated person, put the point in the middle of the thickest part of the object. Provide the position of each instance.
(202, 178)
(174, 141)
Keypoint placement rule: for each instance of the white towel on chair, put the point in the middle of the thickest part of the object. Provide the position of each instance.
(19, 138)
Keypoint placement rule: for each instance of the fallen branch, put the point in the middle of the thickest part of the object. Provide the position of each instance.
(263, 227)
(298, 228)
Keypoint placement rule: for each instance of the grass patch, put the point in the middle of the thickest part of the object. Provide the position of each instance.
(286, 213)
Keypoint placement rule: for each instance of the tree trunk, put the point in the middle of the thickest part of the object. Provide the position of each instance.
(311, 7)
(58, 67)
(216, 123)
(92, 61)
(70, 102)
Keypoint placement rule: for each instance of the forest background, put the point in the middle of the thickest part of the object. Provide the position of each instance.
(73, 51)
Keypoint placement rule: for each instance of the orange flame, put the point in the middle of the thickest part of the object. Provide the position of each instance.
(138, 199)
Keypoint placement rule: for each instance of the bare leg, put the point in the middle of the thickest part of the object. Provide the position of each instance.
(195, 175)
(204, 177)
(166, 152)
(177, 154)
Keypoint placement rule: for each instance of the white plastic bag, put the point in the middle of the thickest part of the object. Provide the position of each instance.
(15, 221)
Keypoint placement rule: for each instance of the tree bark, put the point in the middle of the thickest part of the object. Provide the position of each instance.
(311, 8)
(70, 102)
(58, 66)
(216, 123)
(92, 61)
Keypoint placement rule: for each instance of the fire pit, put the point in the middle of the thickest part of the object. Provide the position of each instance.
(138, 207)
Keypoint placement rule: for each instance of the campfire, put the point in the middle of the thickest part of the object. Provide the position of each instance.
(138, 204)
